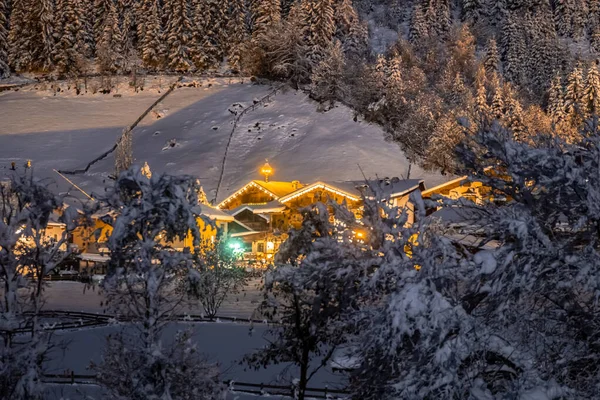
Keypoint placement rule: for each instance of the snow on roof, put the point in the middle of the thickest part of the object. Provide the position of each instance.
(346, 189)
(391, 187)
(215, 213)
(279, 189)
(458, 215)
(270, 207)
(445, 186)
(93, 257)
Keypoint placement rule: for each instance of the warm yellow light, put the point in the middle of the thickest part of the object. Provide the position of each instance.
(270, 246)
(266, 170)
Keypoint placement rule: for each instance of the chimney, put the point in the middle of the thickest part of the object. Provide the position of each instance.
(296, 185)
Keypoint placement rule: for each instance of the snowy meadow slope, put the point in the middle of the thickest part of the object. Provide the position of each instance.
(66, 132)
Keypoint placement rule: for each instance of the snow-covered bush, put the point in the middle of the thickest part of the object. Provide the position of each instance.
(27, 256)
(144, 276)
(217, 276)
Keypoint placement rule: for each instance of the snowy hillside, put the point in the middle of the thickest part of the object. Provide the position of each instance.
(191, 137)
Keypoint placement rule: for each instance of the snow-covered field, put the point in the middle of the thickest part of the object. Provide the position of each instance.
(222, 343)
(66, 132)
(75, 296)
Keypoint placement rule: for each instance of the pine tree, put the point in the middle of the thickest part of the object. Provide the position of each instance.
(101, 9)
(109, 48)
(318, 25)
(591, 92)
(481, 104)
(595, 41)
(497, 108)
(345, 16)
(267, 14)
(470, 10)
(328, 76)
(513, 44)
(4, 69)
(205, 54)
(179, 37)
(237, 33)
(574, 97)
(492, 59)
(437, 17)
(556, 101)
(19, 55)
(71, 46)
(124, 152)
(418, 25)
(496, 11)
(514, 117)
(395, 85)
(152, 39)
(48, 46)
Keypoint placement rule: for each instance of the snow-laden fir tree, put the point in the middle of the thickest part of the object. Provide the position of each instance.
(147, 281)
(595, 40)
(152, 37)
(513, 50)
(395, 85)
(205, 47)
(236, 32)
(109, 48)
(19, 54)
(48, 45)
(438, 17)
(481, 102)
(266, 14)
(71, 48)
(101, 10)
(491, 61)
(345, 16)
(556, 100)
(179, 35)
(124, 152)
(497, 108)
(574, 97)
(4, 69)
(418, 25)
(496, 12)
(514, 117)
(591, 91)
(318, 24)
(327, 79)
(471, 10)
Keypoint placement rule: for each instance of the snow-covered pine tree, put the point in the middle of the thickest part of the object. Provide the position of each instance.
(124, 152)
(356, 44)
(591, 92)
(418, 25)
(497, 108)
(595, 41)
(205, 45)
(438, 17)
(481, 103)
(556, 100)
(491, 61)
(345, 16)
(328, 76)
(4, 69)
(318, 25)
(267, 14)
(48, 44)
(574, 97)
(379, 75)
(471, 10)
(101, 10)
(514, 117)
(19, 54)
(179, 35)
(147, 281)
(109, 48)
(152, 37)
(513, 50)
(395, 85)
(286, 7)
(71, 47)
(237, 33)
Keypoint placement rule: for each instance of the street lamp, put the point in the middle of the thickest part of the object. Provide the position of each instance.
(266, 170)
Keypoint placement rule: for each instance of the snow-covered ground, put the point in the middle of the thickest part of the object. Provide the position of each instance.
(222, 343)
(76, 296)
(66, 132)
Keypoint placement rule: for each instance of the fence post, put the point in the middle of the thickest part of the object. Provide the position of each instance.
(72, 378)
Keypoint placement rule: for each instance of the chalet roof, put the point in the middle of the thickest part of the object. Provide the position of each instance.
(270, 207)
(354, 189)
(391, 187)
(458, 215)
(451, 184)
(279, 189)
(215, 213)
(275, 189)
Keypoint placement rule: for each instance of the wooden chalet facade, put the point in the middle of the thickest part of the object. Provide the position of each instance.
(265, 211)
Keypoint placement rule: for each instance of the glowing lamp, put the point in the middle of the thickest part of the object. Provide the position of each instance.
(266, 170)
